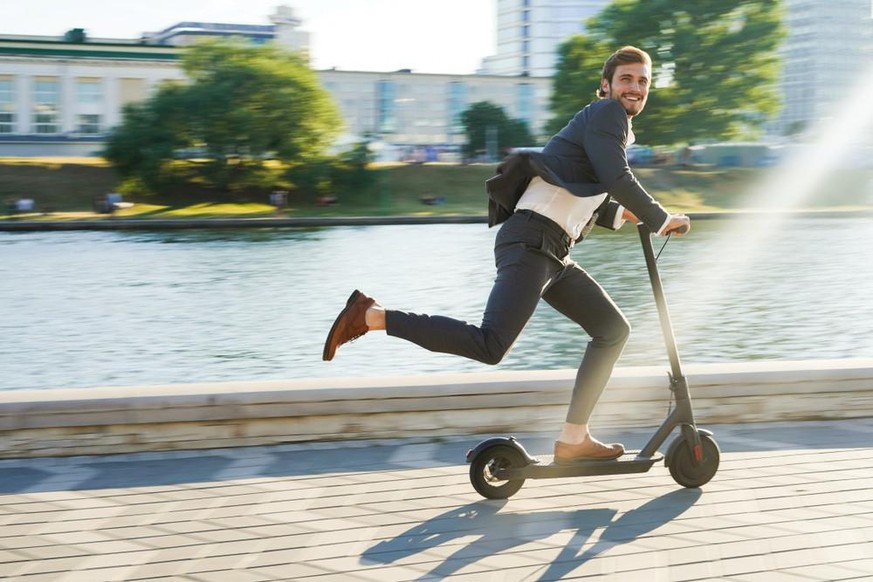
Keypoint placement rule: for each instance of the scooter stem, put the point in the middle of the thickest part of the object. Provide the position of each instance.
(660, 301)
(683, 414)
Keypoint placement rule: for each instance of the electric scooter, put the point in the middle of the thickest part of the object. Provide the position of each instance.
(499, 466)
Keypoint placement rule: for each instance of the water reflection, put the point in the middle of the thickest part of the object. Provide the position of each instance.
(126, 308)
(221, 236)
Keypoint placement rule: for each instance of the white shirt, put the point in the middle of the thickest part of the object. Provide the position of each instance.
(570, 212)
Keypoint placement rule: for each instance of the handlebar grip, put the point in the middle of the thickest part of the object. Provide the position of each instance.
(678, 230)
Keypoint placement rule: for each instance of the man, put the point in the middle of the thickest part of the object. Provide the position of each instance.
(547, 202)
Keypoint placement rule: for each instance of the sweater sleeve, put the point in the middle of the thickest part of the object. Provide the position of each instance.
(605, 140)
(608, 215)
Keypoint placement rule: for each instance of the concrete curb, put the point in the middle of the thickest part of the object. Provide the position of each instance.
(218, 223)
(193, 416)
(111, 223)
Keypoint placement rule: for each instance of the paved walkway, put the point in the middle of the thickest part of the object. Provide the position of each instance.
(791, 501)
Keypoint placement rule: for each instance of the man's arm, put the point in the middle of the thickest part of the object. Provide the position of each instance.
(605, 139)
(610, 214)
(678, 224)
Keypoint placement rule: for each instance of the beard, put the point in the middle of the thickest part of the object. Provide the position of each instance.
(631, 107)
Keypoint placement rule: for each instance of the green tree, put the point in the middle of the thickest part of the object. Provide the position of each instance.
(488, 125)
(577, 78)
(143, 147)
(715, 71)
(346, 173)
(242, 105)
(76, 35)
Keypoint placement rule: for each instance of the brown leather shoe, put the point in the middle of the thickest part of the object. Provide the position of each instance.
(350, 324)
(589, 450)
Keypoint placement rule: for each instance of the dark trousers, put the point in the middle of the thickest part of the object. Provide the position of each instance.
(531, 254)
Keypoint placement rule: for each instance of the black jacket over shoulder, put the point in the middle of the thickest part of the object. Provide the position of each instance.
(587, 157)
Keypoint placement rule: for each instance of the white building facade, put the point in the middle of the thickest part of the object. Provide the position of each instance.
(61, 98)
(827, 53)
(408, 110)
(529, 33)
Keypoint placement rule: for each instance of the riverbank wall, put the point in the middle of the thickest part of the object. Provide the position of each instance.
(112, 223)
(104, 420)
(221, 223)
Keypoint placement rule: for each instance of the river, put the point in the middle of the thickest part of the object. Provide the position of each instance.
(94, 309)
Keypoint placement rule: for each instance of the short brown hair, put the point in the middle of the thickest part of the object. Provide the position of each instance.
(623, 56)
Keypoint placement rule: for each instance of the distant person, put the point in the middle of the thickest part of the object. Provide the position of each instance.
(549, 200)
(279, 199)
(24, 205)
(113, 202)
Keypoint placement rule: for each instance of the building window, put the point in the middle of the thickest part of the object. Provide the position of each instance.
(89, 91)
(7, 106)
(7, 122)
(457, 105)
(46, 97)
(525, 105)
(88, 124)
(386, 97)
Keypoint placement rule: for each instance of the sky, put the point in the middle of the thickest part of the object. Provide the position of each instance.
(427, 36)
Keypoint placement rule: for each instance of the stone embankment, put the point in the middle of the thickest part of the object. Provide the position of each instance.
(197, 416)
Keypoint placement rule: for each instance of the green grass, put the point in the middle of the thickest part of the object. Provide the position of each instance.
(399, 190)
(66, 188)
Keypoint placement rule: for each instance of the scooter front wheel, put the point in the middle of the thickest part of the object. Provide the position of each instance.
(485, 467)
(681, 463)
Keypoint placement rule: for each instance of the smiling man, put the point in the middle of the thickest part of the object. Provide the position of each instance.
(626, 81)
(547, 202)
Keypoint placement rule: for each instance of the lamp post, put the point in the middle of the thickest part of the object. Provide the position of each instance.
(491, 142)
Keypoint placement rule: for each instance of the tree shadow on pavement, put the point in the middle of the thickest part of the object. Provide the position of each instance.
(497, 532)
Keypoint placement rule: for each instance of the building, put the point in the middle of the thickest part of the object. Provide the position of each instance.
(286, 30)
(60, 96)
(826, 44)
(405, 111)
(529, 33)
(828, 51)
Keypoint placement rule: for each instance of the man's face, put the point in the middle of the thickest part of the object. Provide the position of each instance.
(630, 87)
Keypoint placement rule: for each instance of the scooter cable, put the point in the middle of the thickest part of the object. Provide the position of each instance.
(672, 393)
(662, 247)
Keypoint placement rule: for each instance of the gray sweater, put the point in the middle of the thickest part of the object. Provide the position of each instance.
(587, 157)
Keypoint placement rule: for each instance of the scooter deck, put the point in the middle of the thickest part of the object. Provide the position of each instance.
(544, 467)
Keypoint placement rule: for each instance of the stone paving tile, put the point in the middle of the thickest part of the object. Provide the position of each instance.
(831, 572)
(864, 566)
(115, 574)
(52, 577)
(790, 502)
(772, 577)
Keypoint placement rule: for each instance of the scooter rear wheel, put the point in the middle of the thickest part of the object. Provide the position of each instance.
(484, 468)
(681, 464)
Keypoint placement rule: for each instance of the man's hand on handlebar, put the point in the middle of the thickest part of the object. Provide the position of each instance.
(679, 225)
